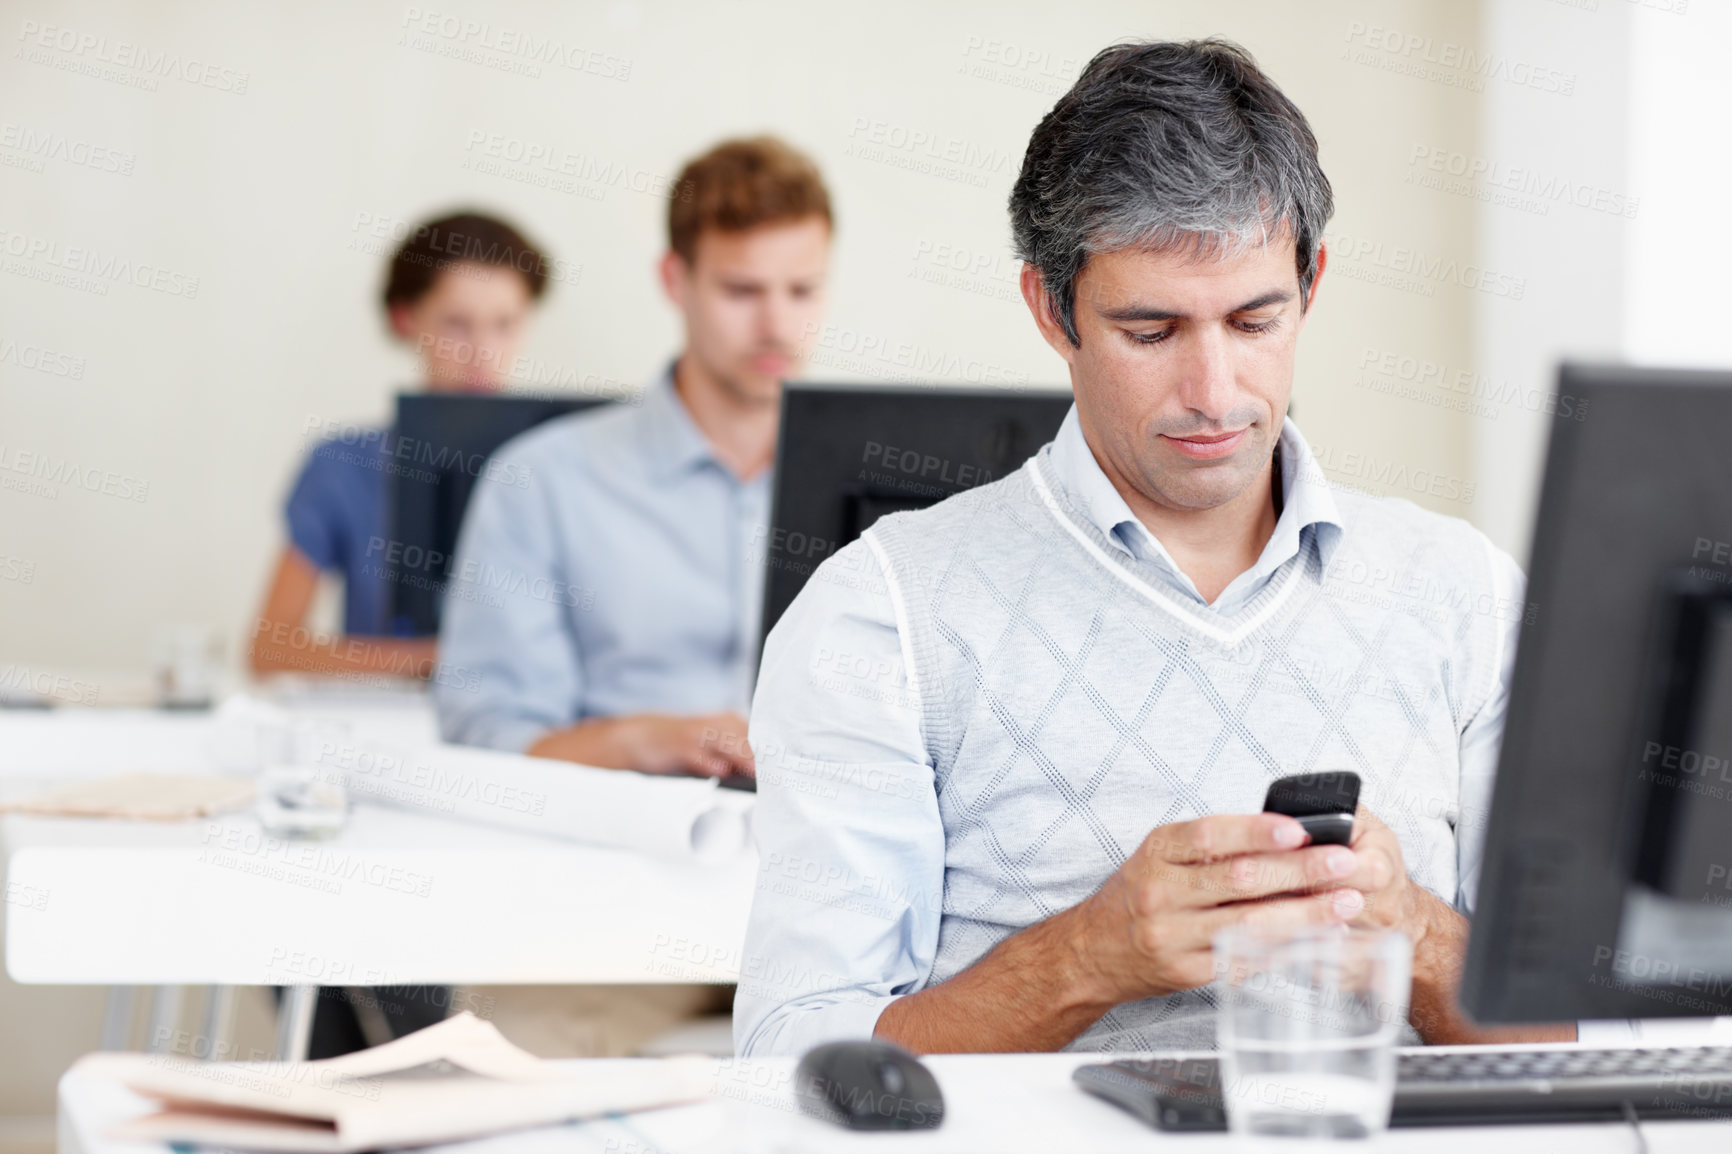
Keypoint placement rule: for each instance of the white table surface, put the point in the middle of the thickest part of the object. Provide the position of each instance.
(72, 740)
(1001, 1103)
(398, 897)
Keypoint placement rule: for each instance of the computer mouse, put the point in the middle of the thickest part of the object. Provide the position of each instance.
(868, 1086)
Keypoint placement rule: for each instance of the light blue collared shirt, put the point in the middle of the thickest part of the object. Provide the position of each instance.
(837, 812)
(1306, 508)
(609, 564)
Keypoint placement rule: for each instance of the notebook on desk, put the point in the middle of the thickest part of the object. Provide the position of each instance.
(455, 1080)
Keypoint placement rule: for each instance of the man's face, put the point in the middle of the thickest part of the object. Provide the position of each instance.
(752, 302)
(1184, 368)
(467, 328)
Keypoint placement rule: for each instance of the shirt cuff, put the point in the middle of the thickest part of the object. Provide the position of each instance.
(803, 1027)
(506, 734)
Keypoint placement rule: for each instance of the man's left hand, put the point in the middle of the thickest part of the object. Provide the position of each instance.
(1439, 937)
(1392, 901)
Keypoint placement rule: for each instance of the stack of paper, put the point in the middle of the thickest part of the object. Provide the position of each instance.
(456, 1080)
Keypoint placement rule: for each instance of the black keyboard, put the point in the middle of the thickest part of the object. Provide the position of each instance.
(1460, 1087)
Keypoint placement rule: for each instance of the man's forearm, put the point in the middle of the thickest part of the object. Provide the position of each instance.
(594, 742)
(1434, 1009)
(1026, 994)
(1030, 993)
(411, 657)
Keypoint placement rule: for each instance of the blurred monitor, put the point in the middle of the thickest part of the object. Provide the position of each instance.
(445, 448)
(849, 454)
(1607, 885)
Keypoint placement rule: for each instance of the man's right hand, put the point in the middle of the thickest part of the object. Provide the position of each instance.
(1149, 930)
(711, 745)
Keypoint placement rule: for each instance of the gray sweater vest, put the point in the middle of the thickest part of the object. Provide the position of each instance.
(1071, 702)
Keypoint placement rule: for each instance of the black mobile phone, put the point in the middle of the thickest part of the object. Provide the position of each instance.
(1191, 1099)
(1181, 1094)
(1324, 803)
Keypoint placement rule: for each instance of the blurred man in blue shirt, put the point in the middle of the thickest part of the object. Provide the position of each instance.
(608, 611)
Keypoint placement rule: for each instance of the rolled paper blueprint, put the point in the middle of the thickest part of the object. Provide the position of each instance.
(669, 817)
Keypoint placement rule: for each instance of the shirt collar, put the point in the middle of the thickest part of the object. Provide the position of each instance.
(1305, 499)
(673, 441)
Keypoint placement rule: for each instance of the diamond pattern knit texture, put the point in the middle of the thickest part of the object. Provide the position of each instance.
(1072, 702)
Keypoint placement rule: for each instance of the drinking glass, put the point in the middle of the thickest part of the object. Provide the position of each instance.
(299, 792)
(1307, 1023)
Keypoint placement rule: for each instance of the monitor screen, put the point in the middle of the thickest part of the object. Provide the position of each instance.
(849, 455)
(1607, 884)
(446, 441)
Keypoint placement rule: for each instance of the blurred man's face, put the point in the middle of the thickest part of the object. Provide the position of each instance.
(467, 328)
(752, 302)
(1184, 368)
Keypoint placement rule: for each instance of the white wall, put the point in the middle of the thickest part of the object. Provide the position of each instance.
(1678, 296)
(200, 402)
(1555, 205)
(1629, 262)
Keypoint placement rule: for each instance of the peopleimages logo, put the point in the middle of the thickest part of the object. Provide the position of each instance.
(1414, 269)
(83, 50)
(40, 359)
(1487, 179)
(1018, 66)
(925, 466)
(1465, 390)
(452, 247)
(435, 29)
(434, 459)
(925, 152)
(557, 160)
(1392, 475)
(52, 470)
(875, 355)
(1447, 61)
(101, 267)
(40, 146)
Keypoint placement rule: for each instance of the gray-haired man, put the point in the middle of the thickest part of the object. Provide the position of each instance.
(1021, 827)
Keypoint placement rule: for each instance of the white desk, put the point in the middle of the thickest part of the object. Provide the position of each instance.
(1007, 1104)
(59, 743)
(71, 740)
(397, 898)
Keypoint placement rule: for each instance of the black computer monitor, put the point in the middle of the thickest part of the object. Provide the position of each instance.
(849, 454)
(1608, 857)
(445, 442)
